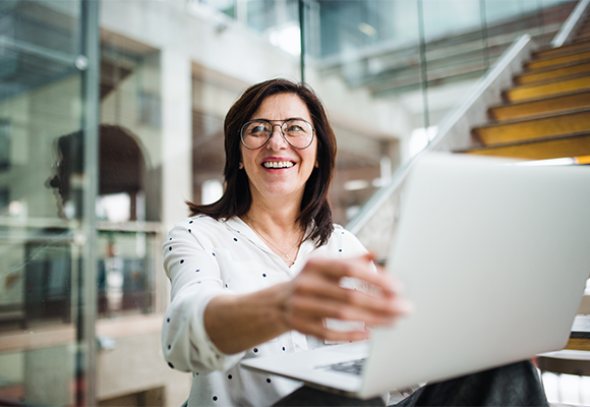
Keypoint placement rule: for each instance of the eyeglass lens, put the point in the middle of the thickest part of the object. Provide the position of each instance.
(298, 133)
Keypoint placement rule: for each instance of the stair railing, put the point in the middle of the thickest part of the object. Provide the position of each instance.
(572, 24)
(454, 133)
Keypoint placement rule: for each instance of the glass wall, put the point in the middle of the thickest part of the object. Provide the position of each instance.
(416, 59)
(44, 239)
(41, 248)
(128, 205)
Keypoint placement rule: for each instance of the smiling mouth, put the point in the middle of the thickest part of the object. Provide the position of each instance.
(277, 164)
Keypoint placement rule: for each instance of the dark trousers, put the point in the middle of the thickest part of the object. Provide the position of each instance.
(511, 385)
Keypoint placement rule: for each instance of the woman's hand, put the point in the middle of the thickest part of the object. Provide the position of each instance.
(316, 294)
(238, 322)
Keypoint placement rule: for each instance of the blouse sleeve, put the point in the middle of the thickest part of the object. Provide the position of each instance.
(195, 276)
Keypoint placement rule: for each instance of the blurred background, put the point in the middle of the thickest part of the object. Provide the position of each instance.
(111, 118)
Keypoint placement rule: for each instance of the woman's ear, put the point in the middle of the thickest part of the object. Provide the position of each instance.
(241, 166)
(317, 164)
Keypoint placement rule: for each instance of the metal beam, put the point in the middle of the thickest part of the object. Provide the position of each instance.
(89, 63)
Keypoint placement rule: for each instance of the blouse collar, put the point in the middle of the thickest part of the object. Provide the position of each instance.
(238, 225)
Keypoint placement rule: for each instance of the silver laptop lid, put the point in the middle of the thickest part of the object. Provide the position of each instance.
(495, 258)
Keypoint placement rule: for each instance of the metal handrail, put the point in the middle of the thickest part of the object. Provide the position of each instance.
(452, 123)
(53, 55)
(571, 25)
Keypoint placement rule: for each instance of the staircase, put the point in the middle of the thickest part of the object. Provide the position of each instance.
(546, 114)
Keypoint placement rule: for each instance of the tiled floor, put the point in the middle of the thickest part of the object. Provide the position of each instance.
(567, 389)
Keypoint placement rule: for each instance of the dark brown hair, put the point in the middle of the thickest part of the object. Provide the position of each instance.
(236, 200)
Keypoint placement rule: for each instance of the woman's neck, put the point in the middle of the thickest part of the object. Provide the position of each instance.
(277, 226)
(275, 220)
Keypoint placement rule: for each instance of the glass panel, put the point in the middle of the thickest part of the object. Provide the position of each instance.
(375, 49)
(129, 183)
(278, 21)
(40, 102)
(369, 58)
(126, 272)
(227, 7)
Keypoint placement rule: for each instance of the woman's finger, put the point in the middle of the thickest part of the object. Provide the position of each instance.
(323, 296)
(317, 328)
(314, 308)
(360, 268)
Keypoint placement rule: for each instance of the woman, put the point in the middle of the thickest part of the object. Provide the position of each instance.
(264, 271)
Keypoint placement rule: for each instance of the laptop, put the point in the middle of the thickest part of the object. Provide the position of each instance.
(494, 257)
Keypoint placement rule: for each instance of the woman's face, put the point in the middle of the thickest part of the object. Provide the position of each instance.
(268, 183)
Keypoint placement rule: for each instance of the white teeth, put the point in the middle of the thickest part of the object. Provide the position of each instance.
(278, 164)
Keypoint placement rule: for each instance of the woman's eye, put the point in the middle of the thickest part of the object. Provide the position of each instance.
(294, 128)
(258, 130)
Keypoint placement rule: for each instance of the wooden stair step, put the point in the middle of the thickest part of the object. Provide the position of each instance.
(574, 100)
(550, 125)
(552, 73)
(556, 66)
(539, 63)
(548, 88)
(575, 145)
(567, 49)
(581, 38)
(582, 33)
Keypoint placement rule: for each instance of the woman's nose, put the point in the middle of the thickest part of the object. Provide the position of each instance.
(277, 141)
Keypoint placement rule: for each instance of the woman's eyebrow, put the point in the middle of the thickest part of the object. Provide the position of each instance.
(282, 120)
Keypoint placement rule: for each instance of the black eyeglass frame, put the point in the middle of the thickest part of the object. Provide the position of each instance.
(273, 128)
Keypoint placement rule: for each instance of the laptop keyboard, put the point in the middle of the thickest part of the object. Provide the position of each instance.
(350, 366)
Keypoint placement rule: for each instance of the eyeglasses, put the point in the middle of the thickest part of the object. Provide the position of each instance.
(297, 132)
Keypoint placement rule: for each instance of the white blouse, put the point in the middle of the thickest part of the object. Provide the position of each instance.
(204, 258)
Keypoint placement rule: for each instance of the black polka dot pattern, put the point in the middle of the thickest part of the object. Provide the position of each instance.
(226, 243)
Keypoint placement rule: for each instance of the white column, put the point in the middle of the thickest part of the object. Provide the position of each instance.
(176, 136)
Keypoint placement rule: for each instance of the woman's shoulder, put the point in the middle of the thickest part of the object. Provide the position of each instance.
(339, 231)
(343, 237)
(198, 226)
(197, 221)
(341, 244)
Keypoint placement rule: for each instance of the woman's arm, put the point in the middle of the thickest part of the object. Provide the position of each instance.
(235, 323)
